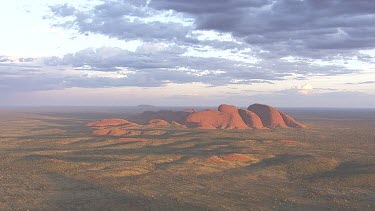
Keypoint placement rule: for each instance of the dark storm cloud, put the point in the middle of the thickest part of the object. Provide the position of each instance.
(300, 25)
(208, 6)
(126, 29)
(123, 20)
(305, 28)
(120, 8)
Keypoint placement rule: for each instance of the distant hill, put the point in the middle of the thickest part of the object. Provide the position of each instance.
(146, 106)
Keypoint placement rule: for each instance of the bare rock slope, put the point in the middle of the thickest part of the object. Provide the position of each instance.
(257, 116)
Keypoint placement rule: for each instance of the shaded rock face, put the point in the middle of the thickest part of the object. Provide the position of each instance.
(251, 119)
(290, 122)
(234, 121)
(167, 115)
(270, 116)
(207, 119)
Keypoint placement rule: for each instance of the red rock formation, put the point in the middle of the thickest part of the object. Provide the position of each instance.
(158, 122)
(270, 116)
(251, 119)
(235, 120)
(110, 122)
(207, 119)
(226, 117)
(290, 122)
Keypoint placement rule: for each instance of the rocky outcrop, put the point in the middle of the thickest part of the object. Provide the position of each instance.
(167, 115)
(251, 119)
(290, 122)
(207, 119)
(257, 116)
(270, 116)
(234, 121)
(226, 117)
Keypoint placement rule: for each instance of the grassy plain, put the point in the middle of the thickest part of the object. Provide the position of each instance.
(50, 161)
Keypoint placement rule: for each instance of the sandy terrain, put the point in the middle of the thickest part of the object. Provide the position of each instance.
(49, 160)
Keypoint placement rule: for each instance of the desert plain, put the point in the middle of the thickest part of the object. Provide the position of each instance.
(50, 160)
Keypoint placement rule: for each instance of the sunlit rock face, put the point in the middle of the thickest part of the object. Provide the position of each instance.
(257, 116)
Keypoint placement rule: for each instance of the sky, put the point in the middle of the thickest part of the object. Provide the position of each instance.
(287, 53)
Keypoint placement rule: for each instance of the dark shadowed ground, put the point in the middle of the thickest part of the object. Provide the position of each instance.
(50, 161)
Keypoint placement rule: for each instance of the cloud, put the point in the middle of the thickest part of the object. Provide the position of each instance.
(35, 79)
(5, 59)
(268, 30)
(305, 89)
(168, 95)
(362, 82)
(216, 43)
(63, 10)
(208, 6)
(28, 59)
(157, 64)
(293, 26)
(122, 20)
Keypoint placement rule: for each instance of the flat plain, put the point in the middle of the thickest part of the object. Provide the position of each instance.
(50, 161)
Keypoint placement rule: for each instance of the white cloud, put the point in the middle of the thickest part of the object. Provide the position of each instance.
(305, 89)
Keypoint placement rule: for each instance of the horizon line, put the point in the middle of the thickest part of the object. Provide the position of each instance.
(167, 106)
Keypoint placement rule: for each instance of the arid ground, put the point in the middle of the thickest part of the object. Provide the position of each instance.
(50, 161)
